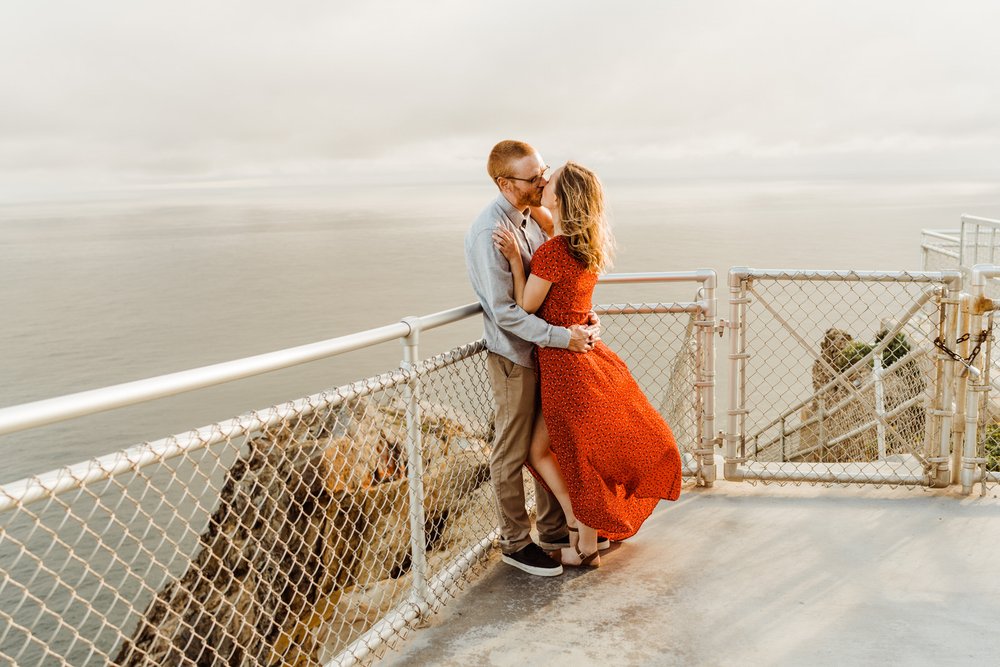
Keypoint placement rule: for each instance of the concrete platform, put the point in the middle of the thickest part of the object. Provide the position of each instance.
(750, 575)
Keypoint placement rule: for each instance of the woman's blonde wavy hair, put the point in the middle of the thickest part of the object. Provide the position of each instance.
(582, 218)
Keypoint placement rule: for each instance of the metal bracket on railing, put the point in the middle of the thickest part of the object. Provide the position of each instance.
(711, 443)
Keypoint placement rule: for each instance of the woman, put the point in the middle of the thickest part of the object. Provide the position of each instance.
(612, 457)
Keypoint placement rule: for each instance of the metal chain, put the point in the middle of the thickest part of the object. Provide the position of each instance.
(983, 335)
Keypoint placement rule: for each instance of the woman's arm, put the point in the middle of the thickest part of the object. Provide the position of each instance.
(530, 291)
(535, 291)
(543, 217)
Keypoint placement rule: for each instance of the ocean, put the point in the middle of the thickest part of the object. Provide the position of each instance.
(115, 289)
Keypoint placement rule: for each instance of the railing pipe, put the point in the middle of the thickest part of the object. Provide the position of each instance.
(977, 220)
(651, 309)
(948, 276)
(700, 275)
(707, 379)
(52, 410)
(949, 308)
(943, 234)
(734, 432)
(450, 316)
(415, 464)
(970, 450)
(939, 250)
(961, 393)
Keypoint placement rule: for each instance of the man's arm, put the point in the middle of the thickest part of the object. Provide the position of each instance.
(492, 281)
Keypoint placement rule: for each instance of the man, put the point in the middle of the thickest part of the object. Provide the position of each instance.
(520, 174)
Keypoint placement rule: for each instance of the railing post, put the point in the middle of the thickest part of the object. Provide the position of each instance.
(737, 368)
(971, 445)
(961, 391)
(706, 381)
(942, 411)
(415, 467)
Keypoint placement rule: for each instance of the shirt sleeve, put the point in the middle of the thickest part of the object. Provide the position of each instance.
(491, 279)
(546, 264)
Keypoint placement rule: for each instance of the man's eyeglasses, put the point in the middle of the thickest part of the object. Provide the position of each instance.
(546, 174)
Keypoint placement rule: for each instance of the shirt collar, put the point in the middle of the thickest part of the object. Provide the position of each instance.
(516, 217)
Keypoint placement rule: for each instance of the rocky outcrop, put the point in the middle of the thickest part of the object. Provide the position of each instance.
(312, 522)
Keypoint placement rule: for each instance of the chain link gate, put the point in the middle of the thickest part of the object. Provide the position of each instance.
(834, 376)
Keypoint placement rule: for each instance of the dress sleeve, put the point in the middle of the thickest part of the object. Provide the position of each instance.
(547, 263)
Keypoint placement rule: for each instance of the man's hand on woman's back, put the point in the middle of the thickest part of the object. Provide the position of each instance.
(583, 338)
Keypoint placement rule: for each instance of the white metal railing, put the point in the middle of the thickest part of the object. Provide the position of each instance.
(977, 240)
(49, 411)
(138, 537)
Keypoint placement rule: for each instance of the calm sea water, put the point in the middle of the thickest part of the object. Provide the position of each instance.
(104, 292)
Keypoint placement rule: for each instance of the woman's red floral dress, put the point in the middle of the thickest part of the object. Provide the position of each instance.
(616, 453)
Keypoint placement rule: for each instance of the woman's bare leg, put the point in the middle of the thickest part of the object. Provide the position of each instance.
(544, 462)
(541, 459)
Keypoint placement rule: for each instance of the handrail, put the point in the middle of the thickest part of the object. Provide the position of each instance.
(950, 277)
(48, 411)
(943, 234)
(975, 219)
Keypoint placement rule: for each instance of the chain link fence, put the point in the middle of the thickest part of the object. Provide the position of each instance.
(275, 538)
(308, 533)
(662, 347)
(836, 378)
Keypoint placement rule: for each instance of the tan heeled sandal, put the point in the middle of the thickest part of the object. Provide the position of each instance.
(589, 560)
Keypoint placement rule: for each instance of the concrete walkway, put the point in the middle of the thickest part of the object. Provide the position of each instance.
(751, 575)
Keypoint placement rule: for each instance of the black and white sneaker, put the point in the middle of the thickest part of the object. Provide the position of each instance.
(603, 543)
(533, 560)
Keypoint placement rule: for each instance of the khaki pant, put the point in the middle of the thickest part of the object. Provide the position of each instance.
(515, 393)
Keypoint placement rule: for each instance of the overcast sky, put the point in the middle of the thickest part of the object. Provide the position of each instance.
(125, 94)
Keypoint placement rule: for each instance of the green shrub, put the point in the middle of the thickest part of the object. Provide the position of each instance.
(897, 348)
(856, 350)
(851, 354)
